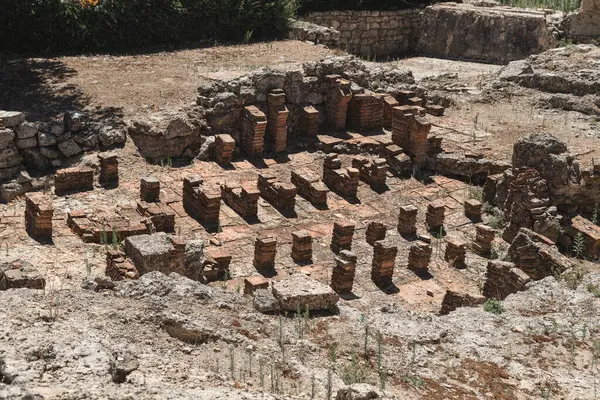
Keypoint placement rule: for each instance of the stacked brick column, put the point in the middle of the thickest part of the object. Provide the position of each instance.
(277, 120)
(118, 267)
(337, 101)
(342, 276)
(473, 209)
(401, 120)
(502, 279)
(200, 202)
(301, 247)
(384, 259)
(310, 187)
(150, 189)
(340, 180)
(254, 126)
(281, 195)
(218, 264)
(389, 102)
(161, 215)
(265, 250)
(371, 171)
(224, 146)
(455, 252)
(309, 122)
(435, 216)
(417, 142)
(343, 232)
(407, 220)
(375, 231)
(365, 112)
(483, 240)
(254, 283)
(76, 179)
(109, 170)
(38, 216)
(243, 199)
(419, 256)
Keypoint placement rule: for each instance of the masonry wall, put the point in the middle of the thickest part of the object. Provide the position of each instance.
(372, 34)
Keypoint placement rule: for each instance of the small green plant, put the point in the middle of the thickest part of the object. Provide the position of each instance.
(88, 266)
(595, 214)
(594, 289)
(578, 245)
(232, 362)
(261, 373)
(366, 342)
(313, 387)
(248, 36)
(116, 243)
(414, 380)
(104, 236)
(573, 276)
(497, 220)
(475, 192)
(493, 306)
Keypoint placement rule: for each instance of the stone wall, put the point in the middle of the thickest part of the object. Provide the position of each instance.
(584, 25)
(495, 34)
(372, 34)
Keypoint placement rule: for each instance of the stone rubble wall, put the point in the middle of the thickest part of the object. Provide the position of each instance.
(372, 34)
(584, 25)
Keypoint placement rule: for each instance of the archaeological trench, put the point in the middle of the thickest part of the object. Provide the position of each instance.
(333, 231)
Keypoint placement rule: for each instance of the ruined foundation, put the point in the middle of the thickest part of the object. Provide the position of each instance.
(373, 172)
(502, 279)
(365, 112)
(337, 100)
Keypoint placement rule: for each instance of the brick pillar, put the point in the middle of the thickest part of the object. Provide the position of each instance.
(118, 267)
(254, 126)
(401, 120)
(309, 122)
(419, 256)
(342, 276)
(375, 231)
(407, 221)
(301, 247)
(150, 189)
(389, 102)
(483, 240)
(109, 170)
(337, 100)
(265, 250)
(384, 258)
(365, 112)
(473, 209)
(455, 251)
(277, 120)
(224, 146)
(435, 216)
(38, 216)
(343, 232)
(418, 144)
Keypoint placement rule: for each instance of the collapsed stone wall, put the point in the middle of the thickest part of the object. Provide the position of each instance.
(41, 145)
(372, 34)
(221, 105)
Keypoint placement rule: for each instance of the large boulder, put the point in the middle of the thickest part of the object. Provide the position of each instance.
(162, 136)
(20, 274)
(300, 291)
(11, 118)
(483, 33)
(549, 157)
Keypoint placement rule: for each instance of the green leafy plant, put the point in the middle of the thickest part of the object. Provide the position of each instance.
(493, 306)
(578, 245)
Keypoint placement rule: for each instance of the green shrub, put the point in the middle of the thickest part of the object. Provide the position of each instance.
(67, 26)
(493, 306)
